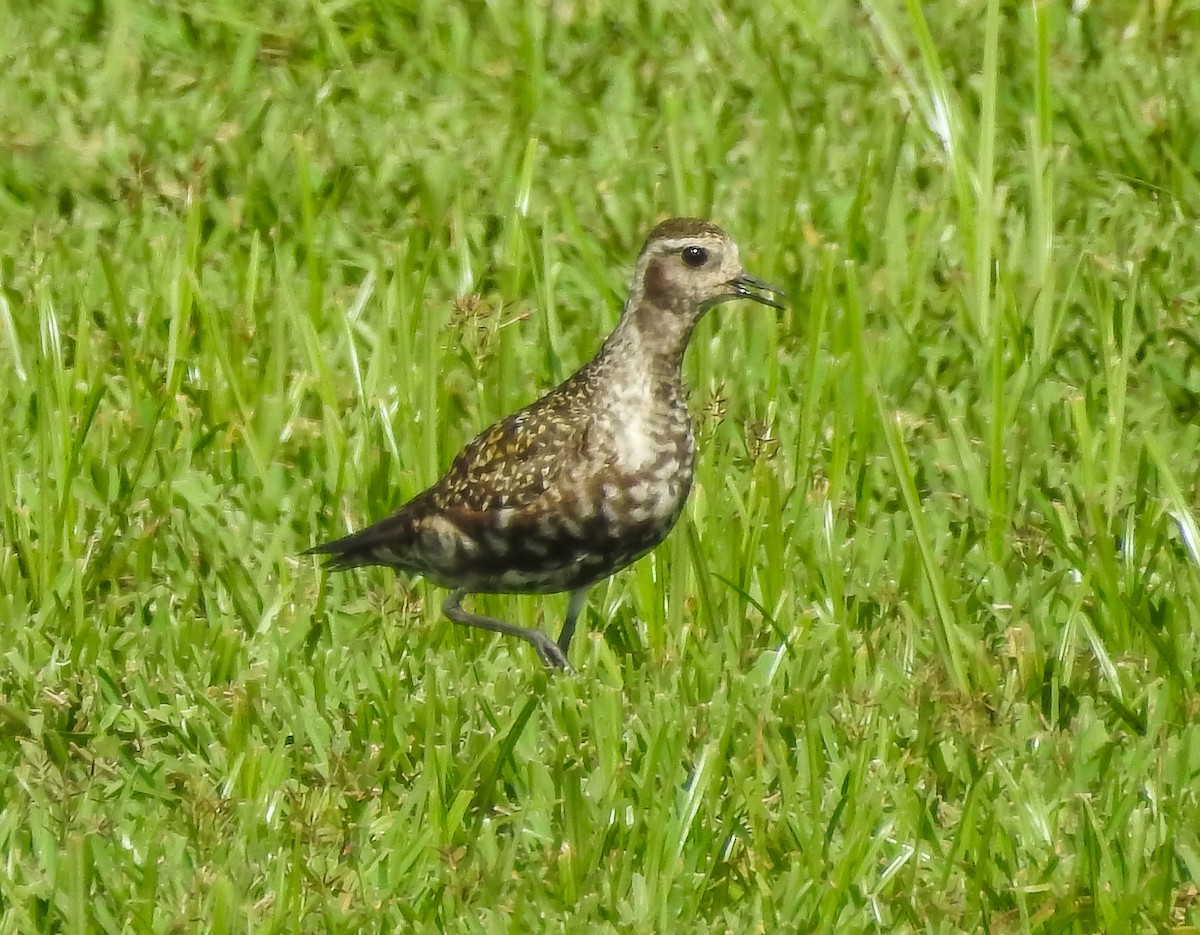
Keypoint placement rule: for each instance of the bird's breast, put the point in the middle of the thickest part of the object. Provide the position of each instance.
(646, 453)
(643, 426)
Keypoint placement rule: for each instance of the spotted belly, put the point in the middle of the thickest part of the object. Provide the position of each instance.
(571, 538)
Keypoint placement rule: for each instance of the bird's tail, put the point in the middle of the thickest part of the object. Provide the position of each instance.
(378, 544)
(340, 554)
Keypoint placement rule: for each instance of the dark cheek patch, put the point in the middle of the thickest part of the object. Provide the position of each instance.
(655, 285)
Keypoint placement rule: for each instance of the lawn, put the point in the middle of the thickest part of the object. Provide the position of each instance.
(921, 656)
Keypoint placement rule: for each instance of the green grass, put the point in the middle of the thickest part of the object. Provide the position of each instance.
(922, 655)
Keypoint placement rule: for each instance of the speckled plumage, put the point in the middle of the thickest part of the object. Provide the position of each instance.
(585, 480)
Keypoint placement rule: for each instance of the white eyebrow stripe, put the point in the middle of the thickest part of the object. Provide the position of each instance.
(678, 243)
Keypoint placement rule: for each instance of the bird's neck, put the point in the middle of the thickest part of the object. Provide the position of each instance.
(640, 417)
(649, 343)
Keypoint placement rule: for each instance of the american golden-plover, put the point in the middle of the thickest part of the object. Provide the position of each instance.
(585, 480)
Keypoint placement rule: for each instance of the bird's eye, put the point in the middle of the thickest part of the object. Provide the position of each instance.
(694, 256)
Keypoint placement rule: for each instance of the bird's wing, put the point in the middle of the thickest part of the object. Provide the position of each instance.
(514, 462)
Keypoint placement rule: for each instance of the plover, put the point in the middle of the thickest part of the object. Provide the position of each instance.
(585, 480)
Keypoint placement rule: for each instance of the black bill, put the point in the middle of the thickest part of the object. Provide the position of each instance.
(751, 288)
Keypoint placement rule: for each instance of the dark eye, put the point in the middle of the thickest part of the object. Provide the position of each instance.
(695, 257)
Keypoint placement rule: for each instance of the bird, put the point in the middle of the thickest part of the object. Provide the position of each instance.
(585, 480)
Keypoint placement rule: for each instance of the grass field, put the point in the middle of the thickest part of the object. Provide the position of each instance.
(922, 655)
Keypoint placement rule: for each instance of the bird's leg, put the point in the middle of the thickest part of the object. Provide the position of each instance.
(547, 649)
(578, 598)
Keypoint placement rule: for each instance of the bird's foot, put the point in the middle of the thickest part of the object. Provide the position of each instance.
(548, 651)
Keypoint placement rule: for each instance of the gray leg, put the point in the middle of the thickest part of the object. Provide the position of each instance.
(547, 649)
(578, 597)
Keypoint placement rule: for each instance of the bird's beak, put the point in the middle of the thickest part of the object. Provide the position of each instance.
(750, 288)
